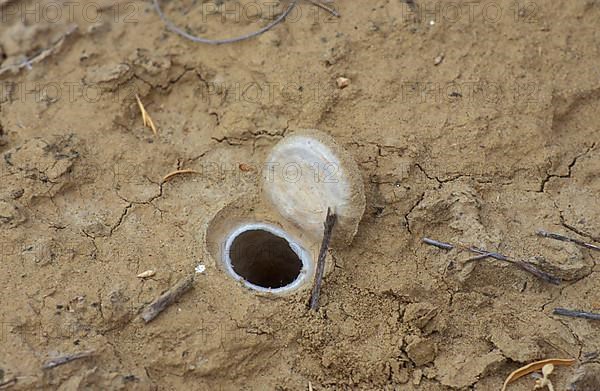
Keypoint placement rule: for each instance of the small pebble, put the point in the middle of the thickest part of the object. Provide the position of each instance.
(200, 269)
(342, 82)
(146, 274)
(438, 60)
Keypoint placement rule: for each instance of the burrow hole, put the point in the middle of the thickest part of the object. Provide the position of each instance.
(264, 259)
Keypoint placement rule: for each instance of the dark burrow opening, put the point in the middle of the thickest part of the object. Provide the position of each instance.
(264, 259)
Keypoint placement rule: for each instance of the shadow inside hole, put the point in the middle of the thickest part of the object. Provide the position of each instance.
(264, 259)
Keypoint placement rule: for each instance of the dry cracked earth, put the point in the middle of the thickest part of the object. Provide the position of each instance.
(473, 123)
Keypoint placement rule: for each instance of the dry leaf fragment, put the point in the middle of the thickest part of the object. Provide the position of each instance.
(178, 172)
(145, 116)
(146, 274)
(535, 366)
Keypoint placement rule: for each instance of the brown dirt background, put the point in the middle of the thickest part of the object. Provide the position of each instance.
(496, 141)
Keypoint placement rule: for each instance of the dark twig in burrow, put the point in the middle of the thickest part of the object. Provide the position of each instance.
(526, 266)
(576, 314)
(55, 362)
(330, 221)
(563, 238)
(167, 298)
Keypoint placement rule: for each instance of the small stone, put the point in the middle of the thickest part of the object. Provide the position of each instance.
(438, 60)
(399, 373)
(342, 82)
(417, 375)
(16, 194)
(146, 274)
(200, 268)
(421, 351)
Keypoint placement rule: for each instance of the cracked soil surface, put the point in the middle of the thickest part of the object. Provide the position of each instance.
(476, 129)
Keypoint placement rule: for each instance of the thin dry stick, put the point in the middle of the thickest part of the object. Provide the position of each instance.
(526, 266)
(42, 54)
(576, 314)
(330, 221)
(563, 238)
(8, 383)
(178, 172)
(67, 358)
(167, 298)
(171, 26)
(326, 8)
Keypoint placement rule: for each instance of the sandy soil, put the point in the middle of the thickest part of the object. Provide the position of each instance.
(472, 123)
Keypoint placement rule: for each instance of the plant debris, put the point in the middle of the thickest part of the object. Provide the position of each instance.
(330, 221)
(326, 8)
(171, 26)
(545, 381)
(67, 358)
(41, 55)
(563, 238)
(535, 366)
(178, 172)
(526, 266)
(576, 314)
(146, 117)
(167, 298)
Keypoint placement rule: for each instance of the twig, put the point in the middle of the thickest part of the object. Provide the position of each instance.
(526, 266)
(167, 298)
(326, 8)
(330, 221)
(171, 26)
(67, 358)
(7, 383)
(563, 238)
(178, 172)
(42, 54)
(576, 314)
(542, 275)
(444, 246)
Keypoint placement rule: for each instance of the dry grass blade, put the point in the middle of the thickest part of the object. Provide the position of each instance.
(178, 172)
(535, 366)
(145, 116)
